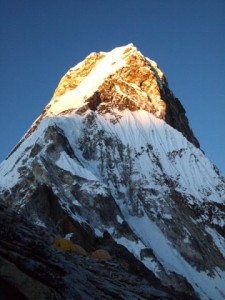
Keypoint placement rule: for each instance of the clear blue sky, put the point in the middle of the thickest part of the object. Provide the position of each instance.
(40, 40)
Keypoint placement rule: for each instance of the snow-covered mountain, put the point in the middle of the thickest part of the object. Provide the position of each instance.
(112, 155)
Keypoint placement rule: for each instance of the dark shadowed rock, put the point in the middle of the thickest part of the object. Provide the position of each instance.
(31, 268)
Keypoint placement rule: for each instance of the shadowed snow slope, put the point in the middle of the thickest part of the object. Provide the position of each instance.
(112, 153)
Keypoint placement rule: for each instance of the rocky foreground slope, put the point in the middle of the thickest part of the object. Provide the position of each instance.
(31, 268)
(112, 155)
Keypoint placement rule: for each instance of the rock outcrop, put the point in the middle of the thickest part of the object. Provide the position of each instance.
(31, 268)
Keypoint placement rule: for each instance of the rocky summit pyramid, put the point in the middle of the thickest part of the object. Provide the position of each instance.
(112, 163)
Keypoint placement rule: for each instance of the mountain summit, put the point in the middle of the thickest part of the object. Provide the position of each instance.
(122, 78)
(112, 162)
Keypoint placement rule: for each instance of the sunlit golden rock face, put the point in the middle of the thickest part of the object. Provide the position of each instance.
(76, 75)
(120, 79)
(135, 86)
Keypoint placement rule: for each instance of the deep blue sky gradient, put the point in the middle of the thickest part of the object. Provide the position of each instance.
(40, 40)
